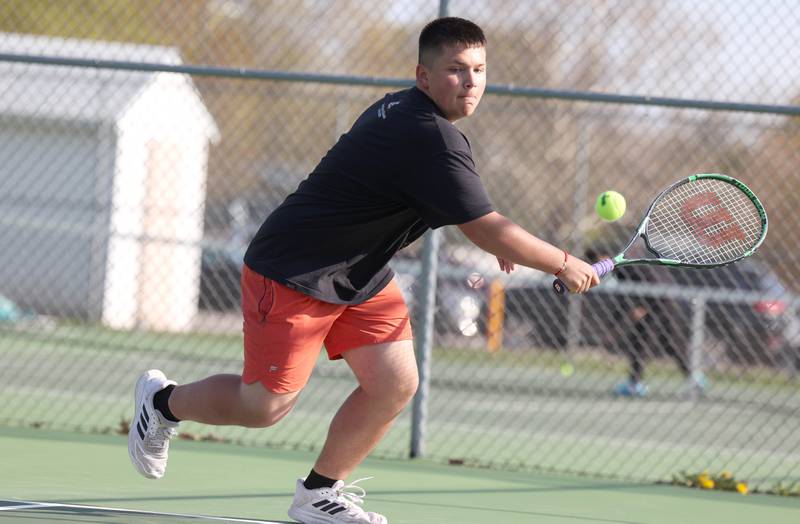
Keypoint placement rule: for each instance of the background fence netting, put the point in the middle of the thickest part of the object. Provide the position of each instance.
(142, 142)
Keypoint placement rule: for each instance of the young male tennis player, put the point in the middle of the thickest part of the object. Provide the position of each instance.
(316, 274)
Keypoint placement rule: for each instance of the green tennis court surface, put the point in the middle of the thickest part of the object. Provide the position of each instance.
(67, 478)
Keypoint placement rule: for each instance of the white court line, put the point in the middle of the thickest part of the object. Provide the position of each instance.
(28, 505)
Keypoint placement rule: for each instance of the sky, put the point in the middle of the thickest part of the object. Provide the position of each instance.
(757, 57)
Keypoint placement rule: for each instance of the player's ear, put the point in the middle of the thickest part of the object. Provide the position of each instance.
(422, 77)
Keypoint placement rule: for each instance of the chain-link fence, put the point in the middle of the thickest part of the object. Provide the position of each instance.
(142, 142)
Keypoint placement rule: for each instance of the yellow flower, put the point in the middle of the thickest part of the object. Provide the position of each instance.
(741, 487)
(706, 483)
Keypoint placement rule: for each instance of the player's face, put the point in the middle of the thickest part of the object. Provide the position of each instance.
(455, 79)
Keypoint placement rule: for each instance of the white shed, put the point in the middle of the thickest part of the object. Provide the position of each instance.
(102, 185)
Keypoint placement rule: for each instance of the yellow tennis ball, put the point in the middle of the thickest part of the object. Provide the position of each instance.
(610, 205)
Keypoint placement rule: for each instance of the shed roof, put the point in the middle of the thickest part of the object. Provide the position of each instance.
(79, 93)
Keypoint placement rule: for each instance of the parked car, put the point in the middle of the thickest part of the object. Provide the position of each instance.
(765, 330)
(220, 271)
(460, 296)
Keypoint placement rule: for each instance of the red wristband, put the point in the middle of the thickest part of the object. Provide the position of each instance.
(563, 266)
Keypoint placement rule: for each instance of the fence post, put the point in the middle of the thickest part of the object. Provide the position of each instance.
(423, 340)
(582, 168)
(696, 343)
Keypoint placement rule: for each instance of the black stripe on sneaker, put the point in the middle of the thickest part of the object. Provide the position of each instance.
(337, 510)
(321, 503)
(143, 420)
(139, 430)
(144, 413)
(330, 506)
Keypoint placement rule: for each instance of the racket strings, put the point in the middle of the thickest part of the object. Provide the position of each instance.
(707, 221)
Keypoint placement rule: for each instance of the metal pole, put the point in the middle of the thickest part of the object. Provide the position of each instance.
(352, 80)
(696, 344)
(579, 205)
(424, 340)
(426, 299)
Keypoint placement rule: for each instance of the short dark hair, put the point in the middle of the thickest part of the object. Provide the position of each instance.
(448, 31)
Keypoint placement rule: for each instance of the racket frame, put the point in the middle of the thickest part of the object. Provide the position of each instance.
(620, 260)
(606, 266)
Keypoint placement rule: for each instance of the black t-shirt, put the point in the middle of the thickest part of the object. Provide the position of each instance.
(401, 169)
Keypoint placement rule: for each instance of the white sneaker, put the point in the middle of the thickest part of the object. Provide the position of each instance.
(149, 434)
(332, 505)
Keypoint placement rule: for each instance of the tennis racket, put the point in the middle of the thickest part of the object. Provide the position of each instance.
(702, 221)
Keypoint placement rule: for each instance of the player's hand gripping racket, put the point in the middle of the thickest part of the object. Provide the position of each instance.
(701, 221)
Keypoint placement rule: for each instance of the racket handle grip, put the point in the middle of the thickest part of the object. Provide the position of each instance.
(603, 267)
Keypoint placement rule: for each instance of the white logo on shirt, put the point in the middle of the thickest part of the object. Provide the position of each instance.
(382, 110)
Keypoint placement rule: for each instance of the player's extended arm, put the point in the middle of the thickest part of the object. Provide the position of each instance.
(505, 239)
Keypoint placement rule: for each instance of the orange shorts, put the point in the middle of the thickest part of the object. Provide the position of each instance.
(284, 329)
